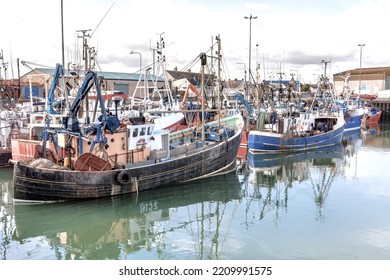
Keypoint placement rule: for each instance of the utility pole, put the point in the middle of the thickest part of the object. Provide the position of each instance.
(250, 42)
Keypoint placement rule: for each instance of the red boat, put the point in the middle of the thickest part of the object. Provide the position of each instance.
(372, 115)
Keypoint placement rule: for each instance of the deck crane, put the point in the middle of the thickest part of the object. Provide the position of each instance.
(107, 122)
(50, 99)
(190, 87)
(71, 124)
(240, 97)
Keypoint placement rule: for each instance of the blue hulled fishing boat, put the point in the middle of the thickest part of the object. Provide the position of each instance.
(320, 125)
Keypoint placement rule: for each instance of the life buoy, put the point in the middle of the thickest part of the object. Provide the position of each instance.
(141, 143)
(123, 178)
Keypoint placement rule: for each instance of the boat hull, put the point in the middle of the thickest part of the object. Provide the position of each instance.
(169, 122)
(372, 116)
(353, 120)
(5, 156)
(259, 141)
(37, 184)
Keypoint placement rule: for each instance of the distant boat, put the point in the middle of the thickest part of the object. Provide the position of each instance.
(109, 158)
(319, 126)
(371, 115)
(353, 113)
(7, 125)
(5, 151)
(352, 107)
(327, 131)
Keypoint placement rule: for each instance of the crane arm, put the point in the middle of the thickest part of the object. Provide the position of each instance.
(190, 87)
(241, 98)
(50, 98)
(110, 122)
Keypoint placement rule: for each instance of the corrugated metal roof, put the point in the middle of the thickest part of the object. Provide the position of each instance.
(364, 71)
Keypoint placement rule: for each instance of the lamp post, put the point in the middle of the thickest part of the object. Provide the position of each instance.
(140, 60)
(360, 73)
(250, 42)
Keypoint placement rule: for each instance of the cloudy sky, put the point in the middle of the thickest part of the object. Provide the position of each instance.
(287, 36)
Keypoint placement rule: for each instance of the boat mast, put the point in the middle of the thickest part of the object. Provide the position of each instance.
(218, 38)
(203, 63)
(86, 59)
(63, 58)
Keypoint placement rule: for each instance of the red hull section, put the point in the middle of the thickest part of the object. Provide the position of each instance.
(243, 149)
(373, 117)
(23, 149)
(174, 127)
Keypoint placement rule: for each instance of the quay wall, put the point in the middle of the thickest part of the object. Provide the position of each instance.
(384, 105)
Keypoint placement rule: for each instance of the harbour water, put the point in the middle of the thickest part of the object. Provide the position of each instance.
(332, 204)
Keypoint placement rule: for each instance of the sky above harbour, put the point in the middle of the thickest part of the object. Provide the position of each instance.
(290, 37)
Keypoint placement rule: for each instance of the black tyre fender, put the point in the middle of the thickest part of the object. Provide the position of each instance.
(123, 178)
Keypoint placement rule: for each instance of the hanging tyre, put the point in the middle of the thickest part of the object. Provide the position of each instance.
(123, 178)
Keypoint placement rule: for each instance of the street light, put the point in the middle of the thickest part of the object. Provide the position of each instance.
(250, 39)
(360, 74)
(140, 59)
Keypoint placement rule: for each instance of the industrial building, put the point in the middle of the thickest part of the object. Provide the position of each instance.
(373, 81)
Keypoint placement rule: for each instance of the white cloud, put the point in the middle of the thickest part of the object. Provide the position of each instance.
(289, 35)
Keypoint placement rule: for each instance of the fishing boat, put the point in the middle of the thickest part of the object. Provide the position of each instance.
(320, 125)
(352, 107)
(109, 158)
(8, 122)
(371, 115)
(353, 113)
(5, 150)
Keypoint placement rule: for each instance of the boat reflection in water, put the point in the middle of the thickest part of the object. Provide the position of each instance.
(118, 227)
(274, 174)
(372, 136)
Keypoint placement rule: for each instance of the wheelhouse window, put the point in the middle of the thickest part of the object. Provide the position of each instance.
(135, 132)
